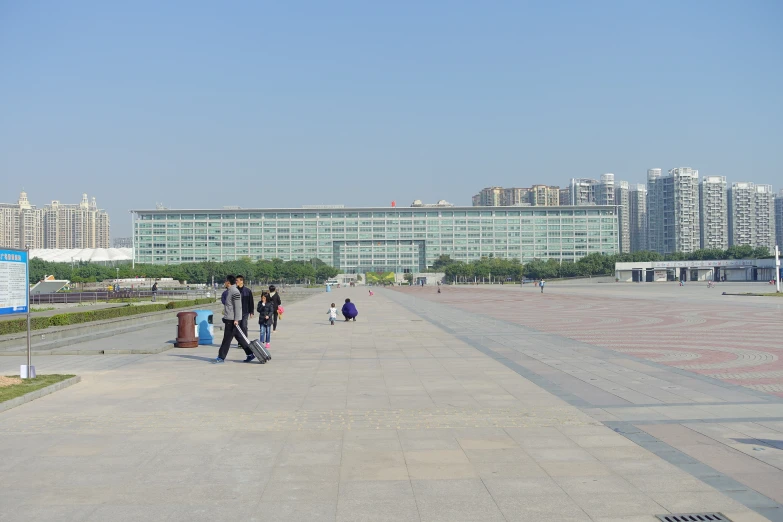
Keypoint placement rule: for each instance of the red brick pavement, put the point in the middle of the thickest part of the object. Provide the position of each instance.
(735, 344)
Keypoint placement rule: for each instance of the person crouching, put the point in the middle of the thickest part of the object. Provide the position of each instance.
(349, 310)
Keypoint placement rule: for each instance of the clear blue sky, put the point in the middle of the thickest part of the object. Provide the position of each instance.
(198, 104)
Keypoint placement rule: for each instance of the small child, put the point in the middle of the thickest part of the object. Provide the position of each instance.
(332, 314)
(371, 293)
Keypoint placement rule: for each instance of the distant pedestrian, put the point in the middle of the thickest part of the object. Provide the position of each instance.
(266, 315)
(232, 315)
(541, 284)
(349, 310)
(274, 298)
(332, 313)
(154, 291)
(248, 306)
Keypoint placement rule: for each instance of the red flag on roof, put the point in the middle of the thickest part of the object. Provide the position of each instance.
(394, 204)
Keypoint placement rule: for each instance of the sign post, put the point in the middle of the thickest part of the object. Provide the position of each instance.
(777, 268)
(15, 293)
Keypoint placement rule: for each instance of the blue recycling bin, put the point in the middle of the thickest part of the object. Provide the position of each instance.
(328, 288)
(204, 326)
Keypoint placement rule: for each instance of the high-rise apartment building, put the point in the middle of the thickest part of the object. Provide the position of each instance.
(654, 211)
(581, 191)
(714, 217)
(565, 196)
(673, 210)
(54, 226)
(544, 196)
(75, 226)
(637, 217)
(20, 224)
(122, 242)
(514, 197)
(764, 233)
(779, 219)
(489, 197)
(604, 190)
(538, 195)
(622, 198)
(752, 215)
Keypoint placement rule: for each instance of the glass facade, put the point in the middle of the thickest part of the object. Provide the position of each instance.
(374, 239)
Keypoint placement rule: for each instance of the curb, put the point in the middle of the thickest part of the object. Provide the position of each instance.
(747, 294)
(148, 351)
(166, 347)
(27, 397)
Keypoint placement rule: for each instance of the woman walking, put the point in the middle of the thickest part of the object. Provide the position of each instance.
(265, 319)
(274, 298)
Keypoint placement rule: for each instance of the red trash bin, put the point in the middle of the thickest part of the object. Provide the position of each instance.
(186, 330)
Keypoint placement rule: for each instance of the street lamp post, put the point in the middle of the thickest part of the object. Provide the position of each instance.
(777, 268)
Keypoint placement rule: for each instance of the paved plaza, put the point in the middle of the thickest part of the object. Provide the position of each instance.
(472, 405)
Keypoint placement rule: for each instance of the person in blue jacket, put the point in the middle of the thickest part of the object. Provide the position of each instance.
(349, 310)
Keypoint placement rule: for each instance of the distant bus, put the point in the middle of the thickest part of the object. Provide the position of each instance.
(331, 282)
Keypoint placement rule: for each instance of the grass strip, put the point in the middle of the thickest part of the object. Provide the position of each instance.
(30, 385)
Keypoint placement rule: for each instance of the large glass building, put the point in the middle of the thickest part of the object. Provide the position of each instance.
(358, 240)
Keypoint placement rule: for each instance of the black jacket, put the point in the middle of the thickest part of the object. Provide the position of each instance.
(247, 300)
(275, 300)
(263, 310)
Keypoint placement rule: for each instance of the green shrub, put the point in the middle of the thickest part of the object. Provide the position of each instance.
(40, 323)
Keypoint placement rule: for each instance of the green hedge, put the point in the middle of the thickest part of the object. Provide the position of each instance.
(39, 323)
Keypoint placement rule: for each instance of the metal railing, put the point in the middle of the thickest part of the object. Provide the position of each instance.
(106, 296)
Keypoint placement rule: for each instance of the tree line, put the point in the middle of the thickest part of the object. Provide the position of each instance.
(263, 270)
(493, 269)
(315, 270)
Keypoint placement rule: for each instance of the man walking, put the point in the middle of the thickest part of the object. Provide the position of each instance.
(248, 306)
(232, 315)
(274, 298)
(154, 291)
(541, 284)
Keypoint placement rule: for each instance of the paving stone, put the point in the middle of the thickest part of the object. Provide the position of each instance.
(668, 483)
(131, 513)
(596, 484)
(522, 487)
(399, 509)
(319, 473)
(696, 501)
(299, 491)
(552, 508)
(290, 511)
(612, 504)
(447, 509)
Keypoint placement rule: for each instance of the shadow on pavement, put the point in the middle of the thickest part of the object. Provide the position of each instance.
(194, 357)
(778, 444)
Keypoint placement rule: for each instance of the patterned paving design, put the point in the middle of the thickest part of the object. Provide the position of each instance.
(722, 339)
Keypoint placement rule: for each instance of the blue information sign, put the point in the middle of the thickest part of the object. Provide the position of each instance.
(14, 282)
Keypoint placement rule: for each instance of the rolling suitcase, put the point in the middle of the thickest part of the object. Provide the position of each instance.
(258, 349)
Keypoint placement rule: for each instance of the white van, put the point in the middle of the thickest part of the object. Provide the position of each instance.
(331, 282)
